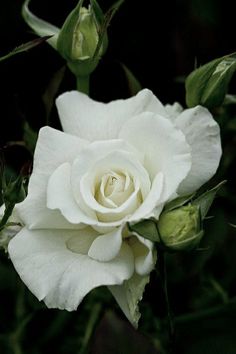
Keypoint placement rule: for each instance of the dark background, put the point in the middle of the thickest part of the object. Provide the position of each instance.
(161, 42)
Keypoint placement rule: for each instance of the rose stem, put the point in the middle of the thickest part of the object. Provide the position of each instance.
(83, 84)
(161, 259)
(92, 321)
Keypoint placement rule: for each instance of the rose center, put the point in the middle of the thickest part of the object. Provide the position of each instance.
(114, 189)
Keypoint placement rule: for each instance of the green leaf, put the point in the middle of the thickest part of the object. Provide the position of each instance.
(29, 137)
(206, 199)
(208, 84)
(25, 47)
(146, 229)
(41, 27)
(129, 294)
(133, 83)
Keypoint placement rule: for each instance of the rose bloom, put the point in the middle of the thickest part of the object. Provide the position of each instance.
(114, 163)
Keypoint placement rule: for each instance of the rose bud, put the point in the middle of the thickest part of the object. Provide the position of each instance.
(180, 229)
(81, 41)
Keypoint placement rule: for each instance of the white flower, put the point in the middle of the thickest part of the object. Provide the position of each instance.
(114, 163)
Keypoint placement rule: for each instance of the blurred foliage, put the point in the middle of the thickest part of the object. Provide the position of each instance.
(160, 48)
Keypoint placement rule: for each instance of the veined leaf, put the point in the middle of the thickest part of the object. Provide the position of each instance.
(41, 27)
(208, 84)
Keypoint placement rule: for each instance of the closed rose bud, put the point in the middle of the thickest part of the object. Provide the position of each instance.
(14, 192)
(80, 41)
(180, 229)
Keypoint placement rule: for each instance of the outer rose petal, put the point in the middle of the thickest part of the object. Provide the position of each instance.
(53, 148)
(84, 117)
(203, 135)
(165, 147)
(59, 276)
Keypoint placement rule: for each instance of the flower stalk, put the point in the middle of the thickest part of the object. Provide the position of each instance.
(161, 262)
(83, 83)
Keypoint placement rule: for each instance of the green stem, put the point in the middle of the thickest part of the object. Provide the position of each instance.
(21, 321)
(90, 328)
(163, 276)
(82, 83)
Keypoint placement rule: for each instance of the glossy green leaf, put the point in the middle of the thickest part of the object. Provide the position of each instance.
(41, 27)
(208, 84)
(24, 47)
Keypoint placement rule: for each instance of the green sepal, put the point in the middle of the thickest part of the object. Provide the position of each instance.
(205, 200)
(179, 202)
(208, 84)
(65, 38)
(82, 65)
(40, 27)
(186, 245)
(25, 47)
(14, 192)
(147, 229)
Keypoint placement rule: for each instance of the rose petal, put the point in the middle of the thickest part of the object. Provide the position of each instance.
(53, 148)
(58, 276)
(166, 149)
(203, 135)
(60, 196)
(116, 160)
(144, 256)
(106, 247)
(84, 117)
(173, 110)
(81, 242)
(153, 202)
(94, 161)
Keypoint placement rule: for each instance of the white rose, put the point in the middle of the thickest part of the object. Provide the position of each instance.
(114, 163)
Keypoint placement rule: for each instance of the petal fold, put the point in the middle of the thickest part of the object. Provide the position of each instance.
(165, 147)
(203, 135)
(84, 117)
(57, 275)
